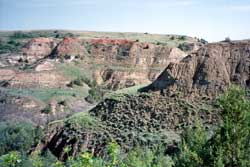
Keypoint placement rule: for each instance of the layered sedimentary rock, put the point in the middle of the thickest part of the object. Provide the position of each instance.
(188, 90)
(70, 48)
(208, 71)
(117, 63)
(19, 79)
(38, 48)
(128, 63)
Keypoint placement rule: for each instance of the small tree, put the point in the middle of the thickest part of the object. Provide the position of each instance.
(227, 39)
(12, 159)
(232, 139)
(192, 147)
(230, 144)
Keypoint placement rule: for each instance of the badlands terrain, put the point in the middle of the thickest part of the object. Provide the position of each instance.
(87, 89)
(42, 71)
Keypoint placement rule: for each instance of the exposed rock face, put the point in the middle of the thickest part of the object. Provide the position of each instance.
(38, 48)
(70, 47)
(209, 71)
(129, 62)
(20, 79)
(45, 66)
(188, 89)
(121, 63)
(15, 108)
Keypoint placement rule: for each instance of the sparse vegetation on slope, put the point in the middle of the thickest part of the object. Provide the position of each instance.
(46, 94)
(198, 147)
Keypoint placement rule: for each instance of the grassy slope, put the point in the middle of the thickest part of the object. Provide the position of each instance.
(172, 40)
(46, 94)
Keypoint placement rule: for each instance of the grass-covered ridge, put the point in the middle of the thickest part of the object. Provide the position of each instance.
(171, 39)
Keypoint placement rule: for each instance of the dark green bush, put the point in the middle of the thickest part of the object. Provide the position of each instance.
(46, 110)
(20, 34)
(79, 81)
(203, 41)
(18, 136)
(182, 37)
(95, 94)
(227, 39)
(192, 147)
(184, 47)
(9, 47)
(229, 146)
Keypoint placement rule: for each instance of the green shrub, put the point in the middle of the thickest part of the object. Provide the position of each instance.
(148, 158)
(227, 39)
(80, 80)
(203, 41)
(20, 34)
(192, 147)
(12, 159)
(96, 94)
(182, 37)
(47, 109)
(114, 157)
(229, 146)
(184, 47)
(172, 38)
(9, 47)
(18, 136)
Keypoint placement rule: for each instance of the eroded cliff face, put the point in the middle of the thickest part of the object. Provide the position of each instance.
(38, 48)
(209, 71)
(115, 63)
(70, 48)
(128, 63)
(19, 79)
(44, 68)
(188, 89)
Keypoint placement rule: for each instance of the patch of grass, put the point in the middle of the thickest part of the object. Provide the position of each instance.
(70, 70)
(170, 40)
(118, 94)
(82, 120)
(46, 94)
(74, 71)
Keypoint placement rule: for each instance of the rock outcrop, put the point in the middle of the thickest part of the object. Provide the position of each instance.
(37, 49)
(128, 63)
(19, 79)
(209, 71)
(116, 63)
(123, 63)
(70, 48)
(188, 90)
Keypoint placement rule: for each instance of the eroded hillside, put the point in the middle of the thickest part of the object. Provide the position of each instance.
(52, 72)
(184, 92)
